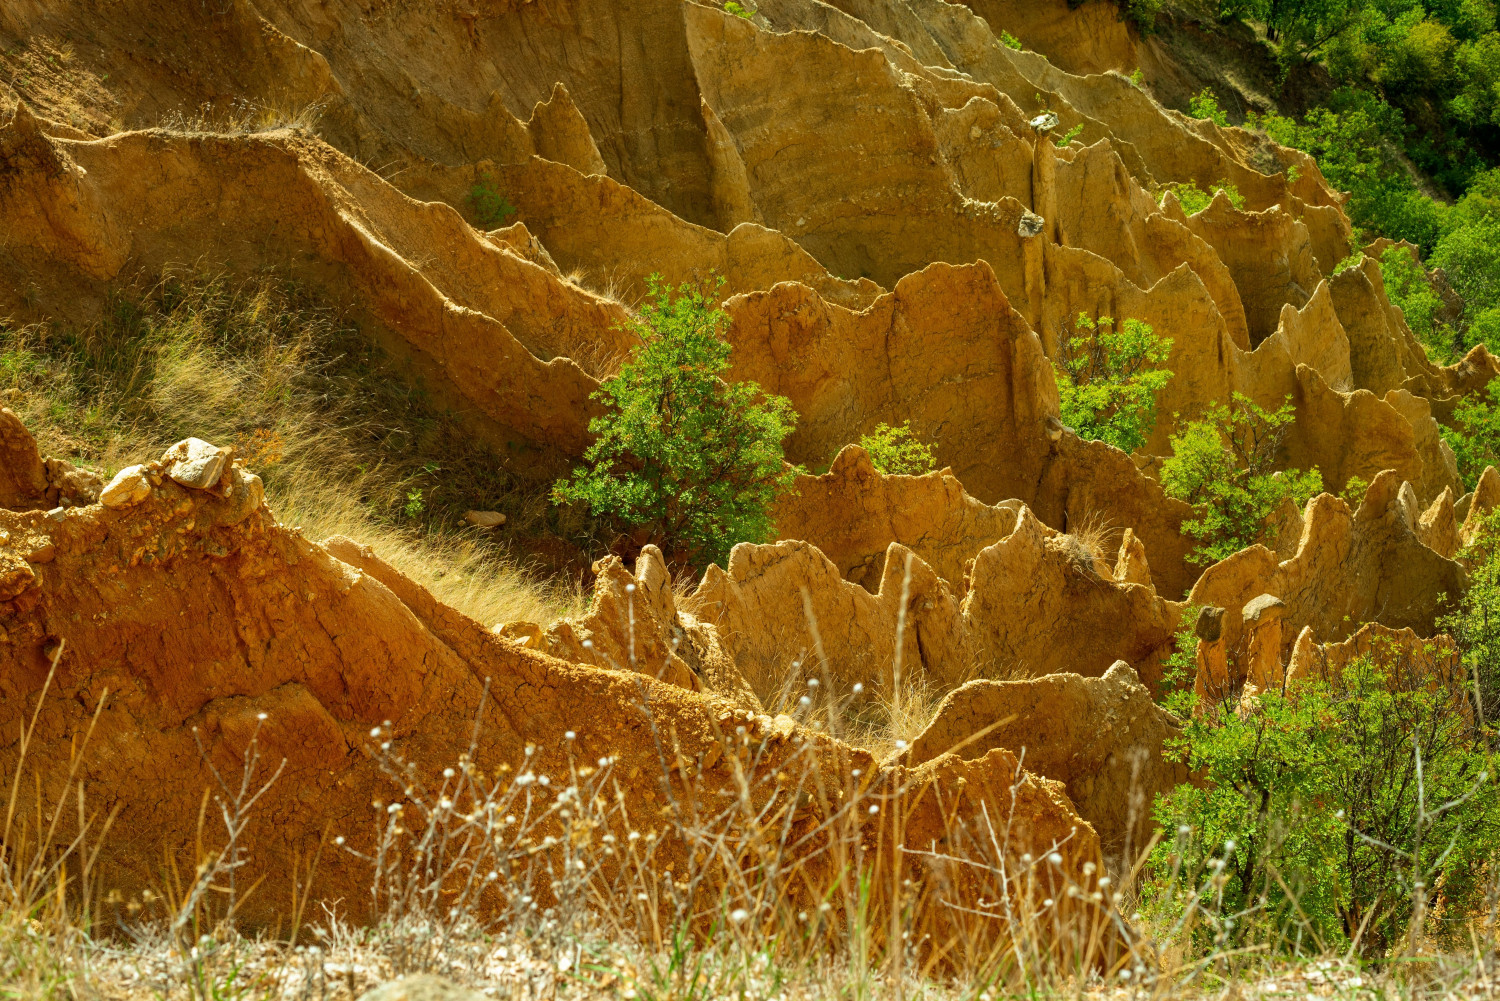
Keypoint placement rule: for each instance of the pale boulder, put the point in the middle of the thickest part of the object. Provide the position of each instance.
(129, 486)
(194, 463)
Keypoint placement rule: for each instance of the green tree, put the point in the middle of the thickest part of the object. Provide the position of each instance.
(1475, 434)
(1311, 824)
(1418, 51)
(1108, 380)
(1408, 288)
(897, 450)
(1470, 256)
(1348, 138)
(1224, 465)
(1477, 69)
(1475, 623)
(1302, 29)
(695, 459)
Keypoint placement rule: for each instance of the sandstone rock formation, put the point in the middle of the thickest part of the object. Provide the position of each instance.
(481, 319)
(853, 513)
(908, 217)
(1350, 567)
(633, 624)
(1035, 602)
(1103, 738)
(274, 638)
(28, 481)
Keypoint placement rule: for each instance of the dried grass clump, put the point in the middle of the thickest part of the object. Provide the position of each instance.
(345, 445)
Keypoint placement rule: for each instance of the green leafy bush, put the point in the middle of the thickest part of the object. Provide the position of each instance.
(1066, 139)
(1477, 67)
(1205, 104)
(737, 10)
(898, 450)
(1224, 465)
(1470, 256)
(1108, 380)
(694, 459)
(1475, 623)
(1468, 251)
(1312, 824)
(1143, 13)
(1194, 199)
(1475, 434)
(1407, 287)
(1010, 41)
(491, 208)
(1419, 52)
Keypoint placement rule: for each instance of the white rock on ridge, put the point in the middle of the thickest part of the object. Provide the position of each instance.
(195, 463)
(129, 486)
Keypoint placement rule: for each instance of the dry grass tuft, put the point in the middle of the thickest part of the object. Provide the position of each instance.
(344, 444)
(1092, 542)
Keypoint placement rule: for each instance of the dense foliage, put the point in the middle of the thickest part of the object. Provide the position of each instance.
(1475, 433)
(1333, 810)
(898, 450)
(1224, 465)
(692, 459)
(1194, 199)
(1430, 67)
(1108, 380)
(1354, 805)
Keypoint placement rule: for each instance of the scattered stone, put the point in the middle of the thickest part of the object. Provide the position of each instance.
(485, 519)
